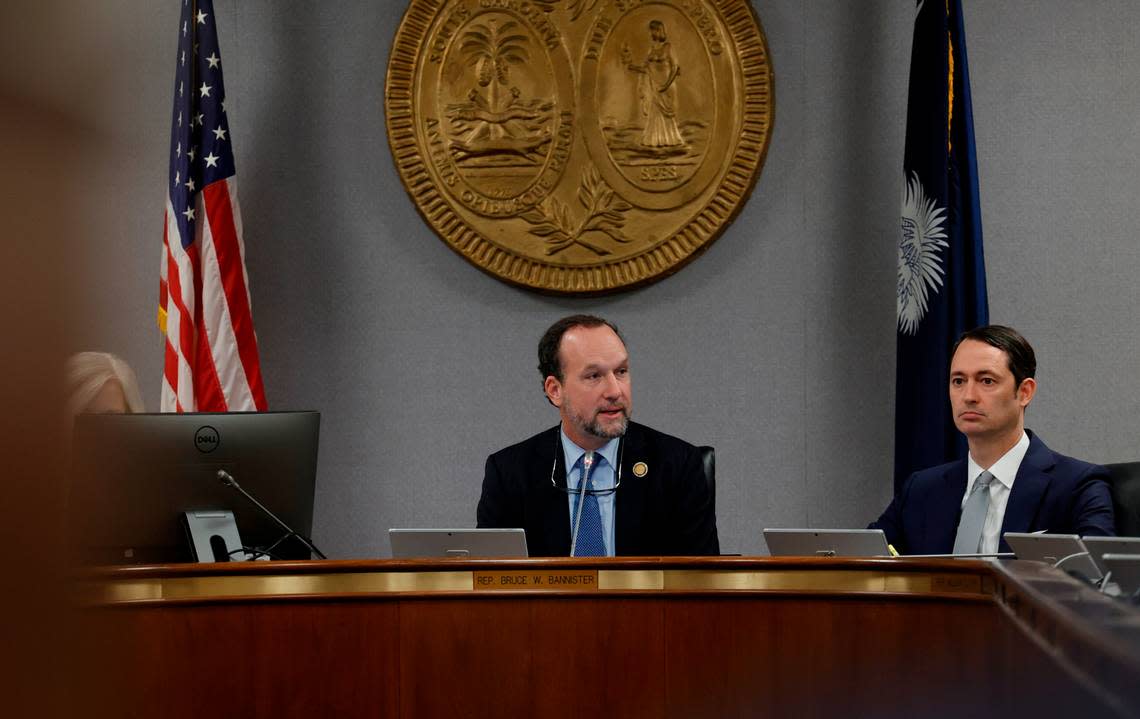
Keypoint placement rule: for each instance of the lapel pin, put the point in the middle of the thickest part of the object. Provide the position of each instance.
(640, 469)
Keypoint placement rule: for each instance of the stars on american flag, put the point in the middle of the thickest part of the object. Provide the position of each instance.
(199, 147)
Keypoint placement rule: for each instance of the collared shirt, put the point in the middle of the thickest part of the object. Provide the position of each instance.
(1004, 471)
(602, 477)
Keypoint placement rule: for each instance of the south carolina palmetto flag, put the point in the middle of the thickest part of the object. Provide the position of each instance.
(210, 360)
(941, 267)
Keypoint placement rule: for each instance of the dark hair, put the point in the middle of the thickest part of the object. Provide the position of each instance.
(1018, 351)
(549, 361)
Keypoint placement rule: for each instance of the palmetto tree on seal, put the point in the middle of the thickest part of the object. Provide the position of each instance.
(490, 51)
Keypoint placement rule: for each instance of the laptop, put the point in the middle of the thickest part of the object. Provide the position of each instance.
(1125, 569)
(826, 542)
(1066, 551)
(1100, 546)
(467, 543)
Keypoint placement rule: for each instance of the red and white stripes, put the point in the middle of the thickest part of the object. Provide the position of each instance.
(211, 359)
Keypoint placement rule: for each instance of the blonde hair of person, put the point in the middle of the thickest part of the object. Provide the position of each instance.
(89, 372)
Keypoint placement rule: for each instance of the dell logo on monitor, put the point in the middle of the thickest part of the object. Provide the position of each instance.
(206, 439)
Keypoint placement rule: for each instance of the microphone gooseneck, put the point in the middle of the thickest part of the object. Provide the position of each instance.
(227, 479)
(587, 463)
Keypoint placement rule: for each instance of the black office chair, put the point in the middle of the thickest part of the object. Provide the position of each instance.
(1125, 486)
(708, 458)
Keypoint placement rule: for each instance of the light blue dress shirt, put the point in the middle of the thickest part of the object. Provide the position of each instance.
(605, 460)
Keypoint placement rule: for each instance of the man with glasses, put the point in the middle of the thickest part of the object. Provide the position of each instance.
(644, 492)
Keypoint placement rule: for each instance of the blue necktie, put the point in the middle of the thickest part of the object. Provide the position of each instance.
(590, 542)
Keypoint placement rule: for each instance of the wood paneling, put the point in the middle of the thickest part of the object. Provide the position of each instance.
(554, 656)
(245, 660)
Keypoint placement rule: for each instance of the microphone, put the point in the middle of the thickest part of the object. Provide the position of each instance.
(587, 463)
(228, 480)
(1082, 573)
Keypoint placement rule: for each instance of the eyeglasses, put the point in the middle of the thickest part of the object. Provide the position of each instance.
(605, 491)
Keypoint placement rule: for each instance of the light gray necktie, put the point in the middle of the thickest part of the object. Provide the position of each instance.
(969, 537)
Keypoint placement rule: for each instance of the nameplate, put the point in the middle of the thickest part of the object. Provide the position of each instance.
(956, 583)
(544, 580)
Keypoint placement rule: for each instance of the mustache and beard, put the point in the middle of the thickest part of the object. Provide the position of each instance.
(596, 426)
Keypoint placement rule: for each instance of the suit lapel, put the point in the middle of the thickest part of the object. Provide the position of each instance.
(946, 508)
(630, 499)
(1033, 478)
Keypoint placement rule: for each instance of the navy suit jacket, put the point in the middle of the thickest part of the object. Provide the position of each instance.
(669, 511)
(1051, 492)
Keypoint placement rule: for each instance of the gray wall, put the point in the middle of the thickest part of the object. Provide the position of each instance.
(777, 345)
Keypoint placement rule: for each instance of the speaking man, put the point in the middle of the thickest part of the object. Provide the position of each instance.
(1010, 482)
(645, 492)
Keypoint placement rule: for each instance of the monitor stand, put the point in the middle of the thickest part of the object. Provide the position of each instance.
(213, 535)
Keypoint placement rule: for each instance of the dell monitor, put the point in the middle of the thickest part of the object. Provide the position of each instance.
(135, 476)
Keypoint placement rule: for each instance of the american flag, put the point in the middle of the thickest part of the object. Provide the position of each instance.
(211, 361)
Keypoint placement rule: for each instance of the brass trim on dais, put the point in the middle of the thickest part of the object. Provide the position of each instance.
(664, 581)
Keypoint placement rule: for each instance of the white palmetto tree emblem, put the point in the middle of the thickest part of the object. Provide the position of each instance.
(922, 238)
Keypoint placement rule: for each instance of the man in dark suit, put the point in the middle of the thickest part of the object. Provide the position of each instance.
(1011, 481)
(644, 493)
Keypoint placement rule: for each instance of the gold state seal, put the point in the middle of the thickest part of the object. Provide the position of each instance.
(579, 146)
